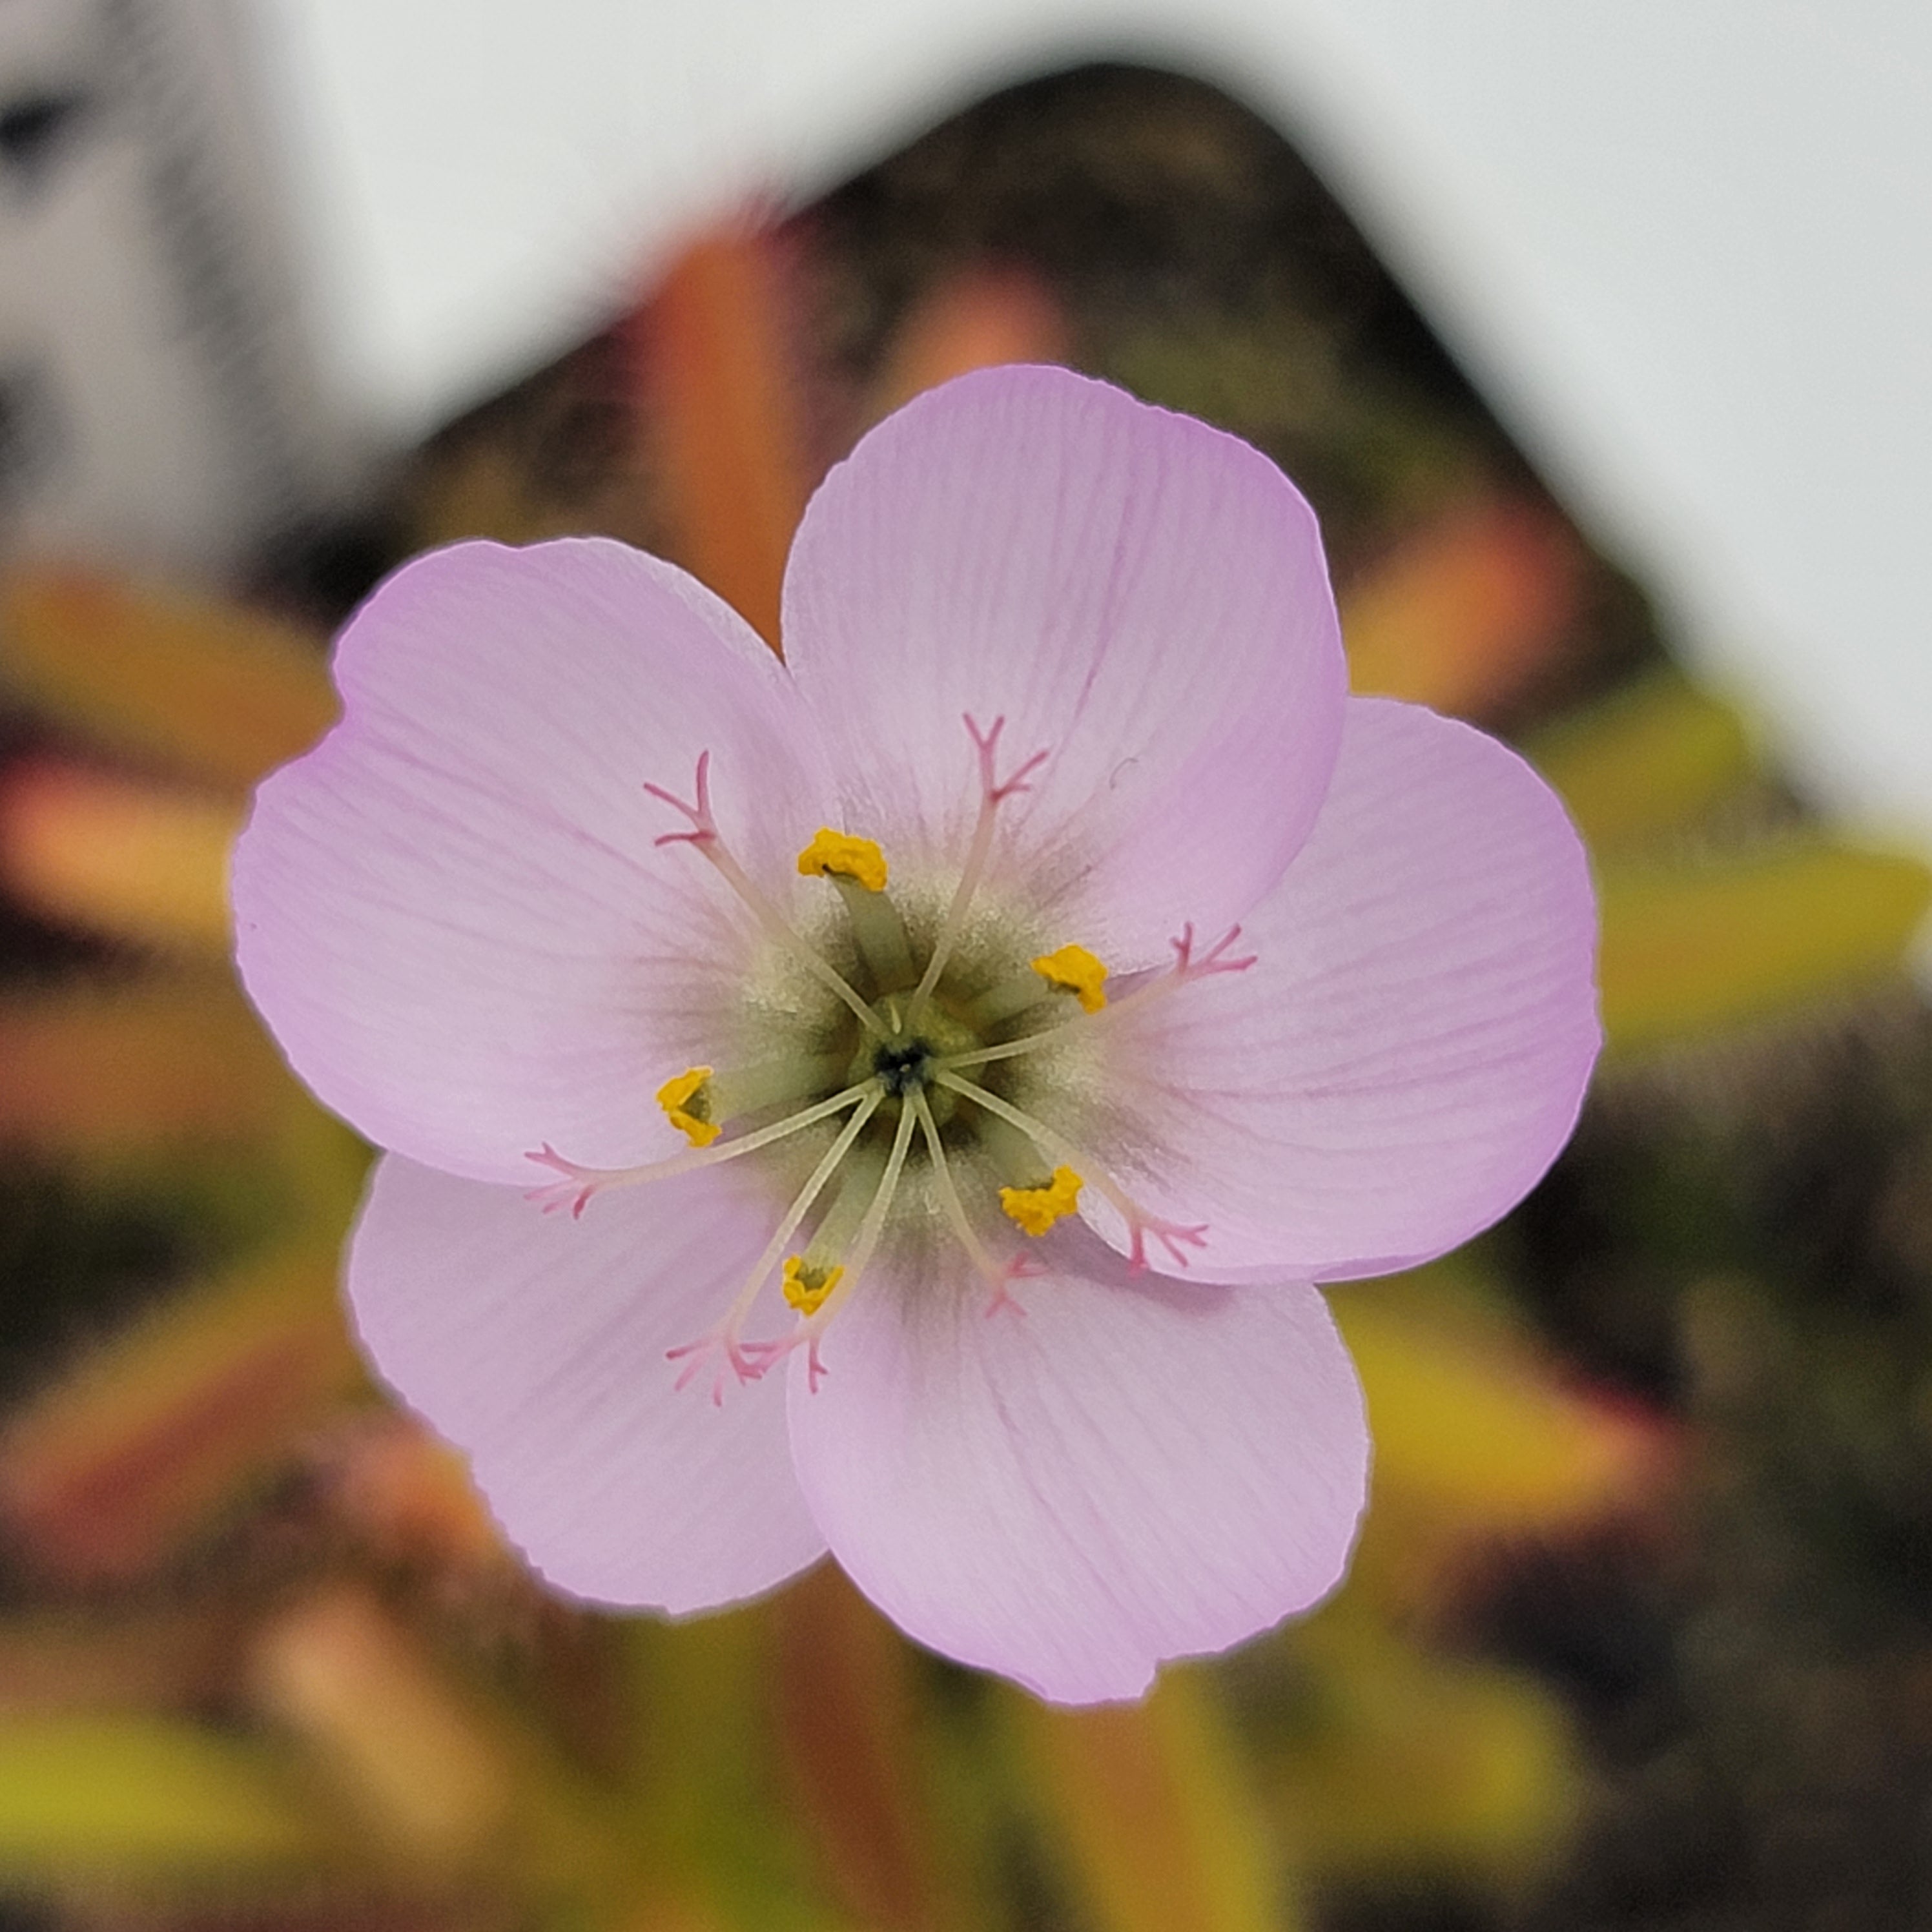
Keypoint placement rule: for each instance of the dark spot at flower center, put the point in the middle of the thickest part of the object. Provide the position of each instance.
(901, 1066)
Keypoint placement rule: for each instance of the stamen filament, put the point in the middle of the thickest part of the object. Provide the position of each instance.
(1055, 1145)
(705, 836)
(991, 796)
(956, 913)
(873, 1226)
(877, 931)
(1019, 993)
(1028, 1042)
(590, 1180)
(1011, 1049)
(726, 1333)
(858, 1181)
(775, 924)
(1155, 985)
(770, 1083)
(950, 1204)
(1171, 1235)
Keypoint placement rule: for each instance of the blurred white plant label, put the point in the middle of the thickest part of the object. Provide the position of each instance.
(159, 404)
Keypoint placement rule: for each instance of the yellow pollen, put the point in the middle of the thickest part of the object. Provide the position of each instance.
(687, 1105)
(1074, 970)
(838, 853)
(805, 1288)
(1035, 1209)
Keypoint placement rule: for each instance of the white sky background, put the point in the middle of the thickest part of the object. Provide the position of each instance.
(1685, 245)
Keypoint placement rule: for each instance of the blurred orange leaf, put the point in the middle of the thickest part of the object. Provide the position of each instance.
(221, 692)
(450, 1785)
(974, 320)
(1466, 613)
(110, 1467)
(720, 394)
(108, 1070)
(1690, 948)
(132, 861)
(420, 1769)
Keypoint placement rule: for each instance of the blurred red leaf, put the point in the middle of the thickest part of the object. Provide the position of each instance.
(1468, 611)
(715, 370)
(111, 1466)
(846, 1724)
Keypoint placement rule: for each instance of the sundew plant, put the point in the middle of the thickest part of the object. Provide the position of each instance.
(904, 1100)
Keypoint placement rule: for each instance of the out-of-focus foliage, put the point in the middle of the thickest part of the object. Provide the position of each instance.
(139, 1797)
(262, 1657)
(1158, 1816)
(211, 691)
(144, 861)
(1691, 947)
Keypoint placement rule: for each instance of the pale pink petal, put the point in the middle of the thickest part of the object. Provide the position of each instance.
(1133, 1469)
(1138, 594)
(536, 1344)
(452, 913)
(1411, 1048)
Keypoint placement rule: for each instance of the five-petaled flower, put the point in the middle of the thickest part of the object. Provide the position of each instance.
(948, 1059)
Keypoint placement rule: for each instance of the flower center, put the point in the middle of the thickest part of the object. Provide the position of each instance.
(904, 1069)
(905, 1061)
(921, 1089)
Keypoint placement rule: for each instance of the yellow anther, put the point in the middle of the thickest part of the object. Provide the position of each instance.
(687, 1104)
(805, 1287)
(1074, 970)
(838, 853)
(1035, 1209)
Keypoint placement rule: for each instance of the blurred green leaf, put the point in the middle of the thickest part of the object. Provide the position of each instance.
(147, 1798)
(1475, 1430)
(707, 1806)
(1690, 948)
(1153, 1811)
(1647, 760)
(1415, 1760)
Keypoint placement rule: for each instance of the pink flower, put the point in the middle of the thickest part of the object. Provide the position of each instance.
(949, 1059)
